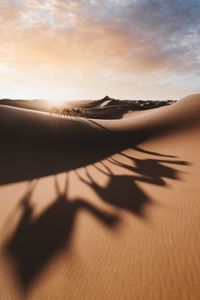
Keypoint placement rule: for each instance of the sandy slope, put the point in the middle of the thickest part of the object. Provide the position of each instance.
(120, 221)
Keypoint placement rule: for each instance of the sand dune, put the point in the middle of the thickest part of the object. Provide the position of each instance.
(100, 209)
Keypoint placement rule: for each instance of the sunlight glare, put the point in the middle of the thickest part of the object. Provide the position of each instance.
(56, 102)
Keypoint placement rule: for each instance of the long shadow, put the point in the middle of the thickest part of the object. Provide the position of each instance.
(36, 240)
(29, 159)
(151, 167)
(139, 149)
(40, 149)
(123, 191)
(33, 145)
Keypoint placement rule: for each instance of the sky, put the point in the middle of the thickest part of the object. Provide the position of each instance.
(127, 49)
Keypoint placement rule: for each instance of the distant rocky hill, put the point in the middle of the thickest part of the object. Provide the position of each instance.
(125, 105)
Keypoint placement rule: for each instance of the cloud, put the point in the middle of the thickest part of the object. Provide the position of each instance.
(99, 37)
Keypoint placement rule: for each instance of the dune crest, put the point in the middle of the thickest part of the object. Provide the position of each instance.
(178, 114)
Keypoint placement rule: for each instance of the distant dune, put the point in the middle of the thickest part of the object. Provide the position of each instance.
(100, 202)
(104, 108)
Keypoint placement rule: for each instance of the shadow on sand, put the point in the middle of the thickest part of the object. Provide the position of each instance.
(36, 240)
(122, 190)
(42, 146)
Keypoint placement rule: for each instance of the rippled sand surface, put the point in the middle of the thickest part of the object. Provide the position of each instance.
(108, 219)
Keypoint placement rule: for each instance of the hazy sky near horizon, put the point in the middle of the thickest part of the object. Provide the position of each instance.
(58, 49)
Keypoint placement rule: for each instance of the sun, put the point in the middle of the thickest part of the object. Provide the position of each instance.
(56, 102)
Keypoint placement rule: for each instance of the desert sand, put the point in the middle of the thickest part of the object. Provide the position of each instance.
(100, 209)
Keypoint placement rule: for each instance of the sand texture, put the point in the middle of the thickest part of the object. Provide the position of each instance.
(100, 209)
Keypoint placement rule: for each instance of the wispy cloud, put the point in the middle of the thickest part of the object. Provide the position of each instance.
(125, 39)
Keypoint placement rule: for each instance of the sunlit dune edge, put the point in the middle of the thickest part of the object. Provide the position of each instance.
(177, 114)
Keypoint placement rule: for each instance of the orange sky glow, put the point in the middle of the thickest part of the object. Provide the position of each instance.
(59, 50)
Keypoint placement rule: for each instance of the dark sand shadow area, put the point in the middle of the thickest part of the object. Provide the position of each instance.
(36, 240)
(34, 145)
(122, 190)
(26, 155)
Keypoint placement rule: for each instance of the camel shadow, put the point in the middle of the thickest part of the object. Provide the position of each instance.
(36, 240)
(123, 191)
